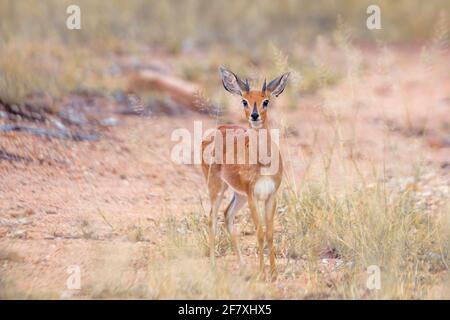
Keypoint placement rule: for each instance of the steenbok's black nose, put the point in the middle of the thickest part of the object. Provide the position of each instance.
(254, 116)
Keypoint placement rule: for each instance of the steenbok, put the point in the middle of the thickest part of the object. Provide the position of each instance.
(249, 180)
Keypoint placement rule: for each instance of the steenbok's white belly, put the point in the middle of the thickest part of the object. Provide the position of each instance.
(264, 187)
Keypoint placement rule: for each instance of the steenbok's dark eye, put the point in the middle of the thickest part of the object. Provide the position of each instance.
(265, 103)
(245, 103)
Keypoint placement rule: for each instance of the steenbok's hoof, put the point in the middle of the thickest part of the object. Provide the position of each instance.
(273, 275)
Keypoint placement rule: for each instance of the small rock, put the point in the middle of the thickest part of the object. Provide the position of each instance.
(73, 116)
(58, 124)
(15, 108)
(18, 234)
(109, 122)
(339, 263)
(24, 221)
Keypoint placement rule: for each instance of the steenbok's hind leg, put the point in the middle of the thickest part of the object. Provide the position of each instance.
(216, 191)
(235, 205)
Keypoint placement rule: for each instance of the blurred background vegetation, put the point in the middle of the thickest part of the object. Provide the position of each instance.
(38, 52)
(243, 25)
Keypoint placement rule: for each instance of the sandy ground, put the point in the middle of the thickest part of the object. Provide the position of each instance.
(76, 198)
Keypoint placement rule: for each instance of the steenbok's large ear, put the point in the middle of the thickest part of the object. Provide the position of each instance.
(232, 83)
(277, 85)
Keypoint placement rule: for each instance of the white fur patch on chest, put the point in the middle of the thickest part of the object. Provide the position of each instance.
(264, 187)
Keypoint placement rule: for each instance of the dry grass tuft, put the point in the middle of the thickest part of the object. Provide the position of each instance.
(370, 226)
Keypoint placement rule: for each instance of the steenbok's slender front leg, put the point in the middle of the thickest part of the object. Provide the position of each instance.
(259, 230)
(270, 208)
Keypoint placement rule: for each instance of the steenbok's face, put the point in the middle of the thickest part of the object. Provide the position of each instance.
(255, 102)
(255, 107)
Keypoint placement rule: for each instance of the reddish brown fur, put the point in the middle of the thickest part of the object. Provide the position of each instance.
(242, 179)
(256, 97)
